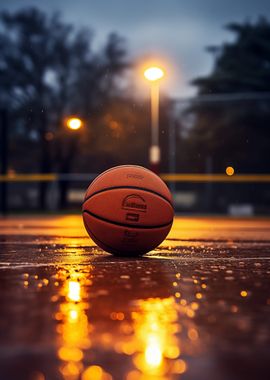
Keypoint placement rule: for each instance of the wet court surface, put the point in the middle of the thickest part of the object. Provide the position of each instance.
(198, 307)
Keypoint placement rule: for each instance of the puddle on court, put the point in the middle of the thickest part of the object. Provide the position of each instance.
(195, 308)
(134, 319)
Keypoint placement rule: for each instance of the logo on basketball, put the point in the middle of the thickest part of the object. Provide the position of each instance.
(134, 202)
(131, 217)
(135, 176)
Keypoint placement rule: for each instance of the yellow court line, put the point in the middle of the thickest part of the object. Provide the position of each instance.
(28, 177)
(245, 178)
(215, 178)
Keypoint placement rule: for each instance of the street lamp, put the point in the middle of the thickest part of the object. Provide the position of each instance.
(153, 75)
(74, 123)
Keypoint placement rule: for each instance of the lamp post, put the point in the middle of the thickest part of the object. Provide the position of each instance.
(74, 124)
(3, 159)
(153, 75)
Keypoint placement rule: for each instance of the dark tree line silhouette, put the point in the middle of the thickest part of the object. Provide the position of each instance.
(236, 131)
(49, 70)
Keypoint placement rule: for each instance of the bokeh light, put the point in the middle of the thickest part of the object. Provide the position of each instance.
(230, 171)
(74, 123)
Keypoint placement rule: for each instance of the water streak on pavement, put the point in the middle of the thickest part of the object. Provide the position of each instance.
(197, 307)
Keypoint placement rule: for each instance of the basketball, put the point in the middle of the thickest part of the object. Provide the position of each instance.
(128, 210)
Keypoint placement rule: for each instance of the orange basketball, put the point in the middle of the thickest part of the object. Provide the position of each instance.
(128, 210)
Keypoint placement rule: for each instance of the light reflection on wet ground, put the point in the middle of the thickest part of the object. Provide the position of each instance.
(198, 307)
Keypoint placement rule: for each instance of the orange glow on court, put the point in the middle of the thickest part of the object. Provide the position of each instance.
(74, 290)
(73, 325)
(155, 326)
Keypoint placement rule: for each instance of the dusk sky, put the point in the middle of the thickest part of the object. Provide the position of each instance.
(176, 30)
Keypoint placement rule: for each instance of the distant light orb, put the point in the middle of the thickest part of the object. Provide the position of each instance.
(153, 73)
(74, 123)
(230, 171)
(243, 293)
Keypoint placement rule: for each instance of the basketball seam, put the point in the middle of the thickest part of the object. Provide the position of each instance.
(125, 224)
(127, 187)
(101, 242)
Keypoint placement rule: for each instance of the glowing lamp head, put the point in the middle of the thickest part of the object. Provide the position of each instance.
(74, 123)
(153, 73)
